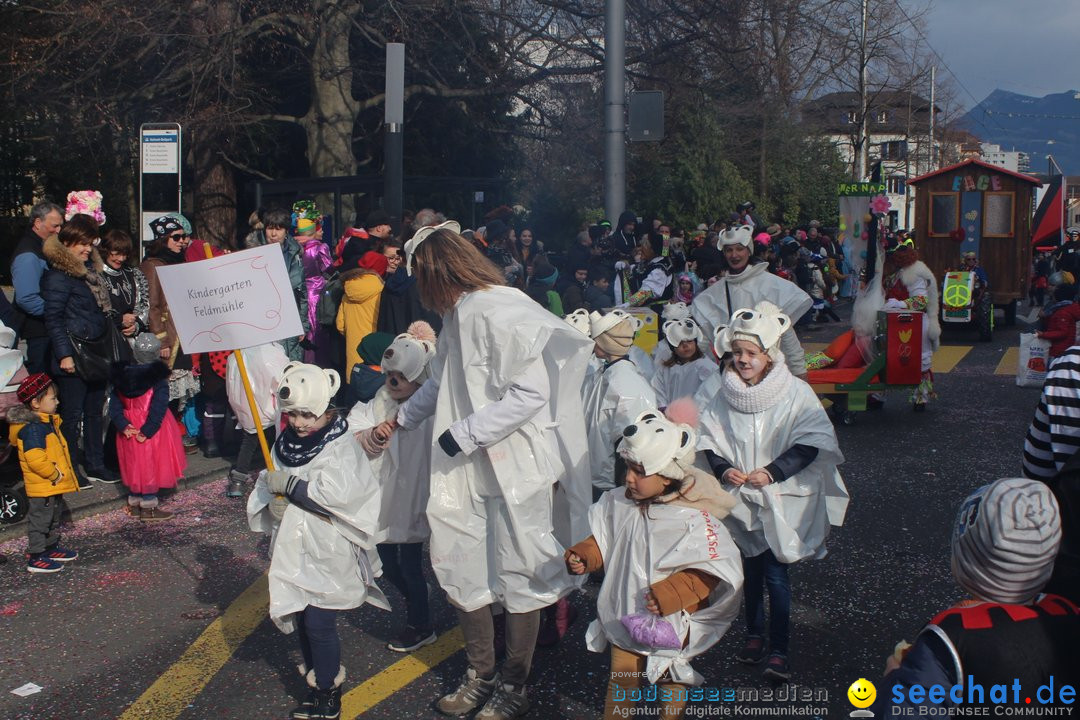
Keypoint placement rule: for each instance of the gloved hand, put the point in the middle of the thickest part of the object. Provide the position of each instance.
(449, 444)
(278, 505)
(621, 265)
(280, 482)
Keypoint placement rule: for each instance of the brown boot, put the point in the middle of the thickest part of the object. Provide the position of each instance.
(154, 514)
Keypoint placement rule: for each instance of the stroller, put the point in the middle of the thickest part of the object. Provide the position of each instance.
(13, 502)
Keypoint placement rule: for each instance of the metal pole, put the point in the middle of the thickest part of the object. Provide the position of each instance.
(393, 191)
(614, 108)
(864, 130)
(933, 94)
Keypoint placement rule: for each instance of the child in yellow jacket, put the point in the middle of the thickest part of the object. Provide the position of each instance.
(47, 471)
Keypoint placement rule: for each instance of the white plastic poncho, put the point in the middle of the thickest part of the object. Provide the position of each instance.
(264, 364)
(676, 381)
(506, 382)
(612, 398)
(640, 549)
(318, 561)
(403, 470)
(642, 361)
(791, 518)
(712, 308)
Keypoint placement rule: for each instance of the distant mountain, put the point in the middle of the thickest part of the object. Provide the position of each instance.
(1037, 126)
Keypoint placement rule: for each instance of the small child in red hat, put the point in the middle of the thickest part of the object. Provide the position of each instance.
(47, 471)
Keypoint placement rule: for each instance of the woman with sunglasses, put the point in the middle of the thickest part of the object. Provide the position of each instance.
(170, 241)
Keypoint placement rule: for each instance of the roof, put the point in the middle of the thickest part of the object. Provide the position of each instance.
(884, 98)
(979, 163)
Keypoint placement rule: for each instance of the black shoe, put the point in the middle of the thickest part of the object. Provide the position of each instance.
(753, 651)
(412, 639)
(237, 487)
(103, 475)
(327, 704)
(84, 482)
(777, 668)
(303, 710)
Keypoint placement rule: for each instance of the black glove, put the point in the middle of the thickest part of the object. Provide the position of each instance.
(449, 444)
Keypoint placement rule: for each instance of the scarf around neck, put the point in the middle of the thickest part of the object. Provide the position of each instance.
(296, 451)
(756, 398)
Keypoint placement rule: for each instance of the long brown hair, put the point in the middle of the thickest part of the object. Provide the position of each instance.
(447, 265)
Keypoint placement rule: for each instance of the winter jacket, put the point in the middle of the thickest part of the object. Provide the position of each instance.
(43, 453)
(358, 311)
(400, 305)
(28, 265)
(161, 321)
(70, 306)
(1061, 329)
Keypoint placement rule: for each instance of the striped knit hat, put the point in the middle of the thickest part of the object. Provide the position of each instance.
(1005, 540)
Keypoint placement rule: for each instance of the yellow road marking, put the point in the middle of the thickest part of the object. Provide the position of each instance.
(1009, 362)
(947, 357)
(174, 690)
(377, 688)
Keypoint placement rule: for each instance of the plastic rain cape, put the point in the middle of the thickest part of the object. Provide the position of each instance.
(612, 398)
(791, 518)
(403, 470)
(498, 526)
(640, 549)
(320, 562)
(710, 309)
(264, 364)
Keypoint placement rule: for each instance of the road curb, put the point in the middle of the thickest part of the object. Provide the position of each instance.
(103, 497)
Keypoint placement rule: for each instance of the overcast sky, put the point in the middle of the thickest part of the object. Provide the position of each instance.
(1019, 45)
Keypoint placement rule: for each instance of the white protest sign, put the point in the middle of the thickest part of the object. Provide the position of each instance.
(233, 301)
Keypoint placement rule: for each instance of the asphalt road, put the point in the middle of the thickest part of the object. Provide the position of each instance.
(98, 635)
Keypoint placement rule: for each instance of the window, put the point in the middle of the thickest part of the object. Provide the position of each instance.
(944, 213)
(852, 117)
(997, 214)
(882, 117)
(894, 150)
(895, 186)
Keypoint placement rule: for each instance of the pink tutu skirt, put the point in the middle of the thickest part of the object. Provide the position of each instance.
(157, 463)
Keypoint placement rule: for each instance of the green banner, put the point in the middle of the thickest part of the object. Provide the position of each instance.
(860, 188)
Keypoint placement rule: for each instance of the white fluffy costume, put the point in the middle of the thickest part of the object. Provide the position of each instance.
(404, 467)
(642, 546)
(316, 560)
(506, 384)
(613, 395)
(910, 285)
(750, 426)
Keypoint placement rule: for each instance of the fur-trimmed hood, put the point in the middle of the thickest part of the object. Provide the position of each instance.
(22, 415)
(132, 379)
(60, 259)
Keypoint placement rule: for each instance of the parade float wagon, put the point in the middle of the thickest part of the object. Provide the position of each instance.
(976, 207)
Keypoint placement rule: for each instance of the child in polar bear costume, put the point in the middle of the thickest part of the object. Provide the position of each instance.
(672, 573)
(686, 367)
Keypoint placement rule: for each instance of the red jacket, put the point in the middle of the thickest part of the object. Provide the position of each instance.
(1061, 329)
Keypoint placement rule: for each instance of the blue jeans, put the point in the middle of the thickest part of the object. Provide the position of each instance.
(319, 643)
(762, 571)
(82, 404)
(402, 566)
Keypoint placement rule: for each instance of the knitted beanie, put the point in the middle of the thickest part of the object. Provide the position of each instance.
(1005, 540)
(614, 332)
(33, 386)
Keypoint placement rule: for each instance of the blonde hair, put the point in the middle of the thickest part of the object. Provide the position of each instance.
(447, 265)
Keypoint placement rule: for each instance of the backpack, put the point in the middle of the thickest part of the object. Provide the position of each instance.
(330, 300)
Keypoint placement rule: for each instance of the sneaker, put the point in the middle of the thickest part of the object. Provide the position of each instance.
(777, 668)
(154, 514)
(84, 482)
(469, 695)
(59, 554)
(506, 703)
(412, 639)
(237, 486)
(41, 564)
(103, 475)
(753, 651)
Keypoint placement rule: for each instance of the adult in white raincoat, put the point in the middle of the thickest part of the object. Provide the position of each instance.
(668, 562)
(613, 395)
(769, 440)
(505, 392)
(746, 284)
(402, 463)
(686, 367)
(321, 507)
